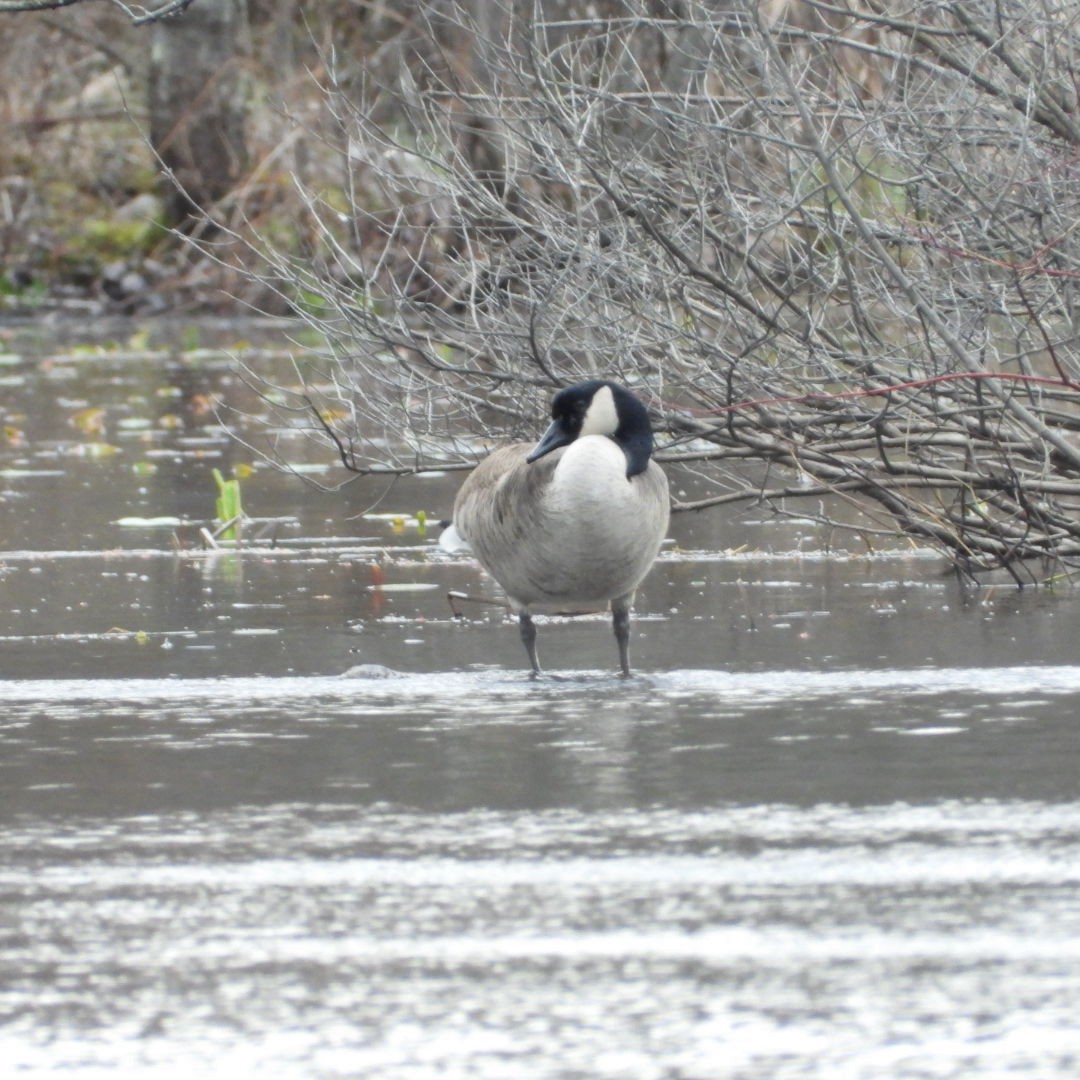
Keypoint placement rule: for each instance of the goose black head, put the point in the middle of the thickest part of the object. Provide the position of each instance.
(599, 407)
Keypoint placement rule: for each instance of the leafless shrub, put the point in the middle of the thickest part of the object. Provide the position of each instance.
(835, 241)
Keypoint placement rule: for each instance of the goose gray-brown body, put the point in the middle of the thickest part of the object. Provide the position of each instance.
(575, 522)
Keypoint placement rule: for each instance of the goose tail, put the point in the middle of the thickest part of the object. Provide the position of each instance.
(452, 542)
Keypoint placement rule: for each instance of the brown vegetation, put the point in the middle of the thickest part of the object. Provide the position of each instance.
(82, 202)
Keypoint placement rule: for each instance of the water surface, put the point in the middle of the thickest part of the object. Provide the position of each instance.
(830, 830)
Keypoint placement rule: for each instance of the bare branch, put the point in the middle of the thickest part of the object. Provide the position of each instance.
(139, 14)
(837, 243)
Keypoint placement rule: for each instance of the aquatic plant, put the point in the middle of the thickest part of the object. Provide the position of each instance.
(228, 509)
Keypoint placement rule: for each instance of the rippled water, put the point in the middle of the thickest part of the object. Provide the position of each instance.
(753, 941)
(697, 875)
(831, 830)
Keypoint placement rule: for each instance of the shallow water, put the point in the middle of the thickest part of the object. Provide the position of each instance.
(830, 830)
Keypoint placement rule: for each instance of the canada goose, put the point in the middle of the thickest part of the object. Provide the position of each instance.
(575, 522)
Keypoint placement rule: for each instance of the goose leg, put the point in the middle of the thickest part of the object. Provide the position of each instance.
(620, 622)
(528, 639)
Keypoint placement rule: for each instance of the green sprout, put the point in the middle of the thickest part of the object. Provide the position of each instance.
(229, 510)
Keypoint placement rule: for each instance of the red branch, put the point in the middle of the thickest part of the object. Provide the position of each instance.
(1032, 266)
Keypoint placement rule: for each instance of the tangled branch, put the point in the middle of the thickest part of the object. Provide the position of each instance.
(830, 241)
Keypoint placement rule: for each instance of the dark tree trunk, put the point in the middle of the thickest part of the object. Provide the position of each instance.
(198, 107)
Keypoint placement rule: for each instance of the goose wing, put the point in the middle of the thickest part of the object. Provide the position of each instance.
(501, 501)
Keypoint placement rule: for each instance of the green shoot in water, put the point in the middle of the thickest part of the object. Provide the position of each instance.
(228, 506)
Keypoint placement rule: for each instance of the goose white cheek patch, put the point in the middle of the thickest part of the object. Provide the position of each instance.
(602, 418)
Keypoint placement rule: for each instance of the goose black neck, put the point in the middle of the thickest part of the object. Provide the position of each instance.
(634, 433)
